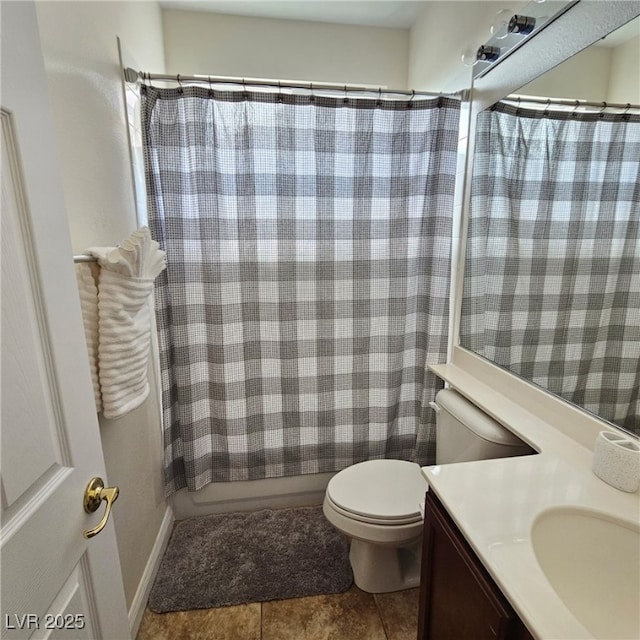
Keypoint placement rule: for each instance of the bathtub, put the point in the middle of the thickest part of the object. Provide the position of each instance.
(251, 495)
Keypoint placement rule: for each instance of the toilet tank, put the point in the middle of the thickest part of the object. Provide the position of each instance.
(464, 432)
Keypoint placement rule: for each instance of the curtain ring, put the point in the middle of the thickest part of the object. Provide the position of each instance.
(625, 113)
(379, 102)
(546, 109)
(601, 112)
(245, 95)
(279, 91)
(518, 107)
(575, 108)
(345, 100)
(413, 94)
(210, 87)
(180, 88)
(312, 98)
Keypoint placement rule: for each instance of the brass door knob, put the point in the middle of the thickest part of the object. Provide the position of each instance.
(94, 494)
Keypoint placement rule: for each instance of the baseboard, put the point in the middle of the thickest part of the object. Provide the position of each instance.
(148, 576)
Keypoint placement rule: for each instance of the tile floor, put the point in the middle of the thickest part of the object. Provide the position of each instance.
(353, 615)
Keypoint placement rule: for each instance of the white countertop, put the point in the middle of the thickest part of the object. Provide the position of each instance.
(495, 502)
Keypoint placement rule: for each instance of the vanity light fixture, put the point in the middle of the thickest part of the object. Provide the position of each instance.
(510, 30)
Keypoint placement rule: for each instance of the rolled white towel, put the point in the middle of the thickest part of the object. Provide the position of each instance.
(89, 305)
(138, 256)
(126, 282)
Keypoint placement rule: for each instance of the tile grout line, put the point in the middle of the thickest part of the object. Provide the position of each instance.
(384, 626)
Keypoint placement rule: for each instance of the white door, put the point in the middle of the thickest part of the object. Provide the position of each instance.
(54, 582)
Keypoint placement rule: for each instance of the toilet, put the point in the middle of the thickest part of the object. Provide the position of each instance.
(377, 503)
(465, 433)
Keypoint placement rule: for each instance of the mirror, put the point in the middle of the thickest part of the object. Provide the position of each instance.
(551, 286)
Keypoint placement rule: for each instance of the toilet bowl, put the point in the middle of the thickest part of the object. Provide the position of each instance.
(377, 503)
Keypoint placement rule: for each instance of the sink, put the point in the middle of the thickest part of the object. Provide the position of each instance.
(592, 561)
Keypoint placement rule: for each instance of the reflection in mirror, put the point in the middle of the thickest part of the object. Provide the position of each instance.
(552, 273)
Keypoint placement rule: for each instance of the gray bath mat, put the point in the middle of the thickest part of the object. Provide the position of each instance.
(238, 558)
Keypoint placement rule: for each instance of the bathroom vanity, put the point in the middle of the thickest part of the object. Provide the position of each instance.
(532, 546)
(458, 598)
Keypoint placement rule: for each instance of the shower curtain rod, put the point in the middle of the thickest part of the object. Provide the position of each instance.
(569, 102)
(131, 75)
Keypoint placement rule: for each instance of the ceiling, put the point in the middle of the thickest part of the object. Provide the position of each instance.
(375, 13)
(396, 13)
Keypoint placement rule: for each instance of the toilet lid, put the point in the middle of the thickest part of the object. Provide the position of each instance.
(381, 489)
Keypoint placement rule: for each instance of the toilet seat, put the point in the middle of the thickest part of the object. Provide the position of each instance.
(381, 492)
(370, 519)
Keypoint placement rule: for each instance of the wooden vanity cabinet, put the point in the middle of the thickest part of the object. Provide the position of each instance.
(458, 598)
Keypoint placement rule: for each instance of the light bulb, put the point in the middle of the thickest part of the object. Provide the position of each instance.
(469, 56)
(500, 23)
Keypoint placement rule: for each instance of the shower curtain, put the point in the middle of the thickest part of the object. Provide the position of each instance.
(307, 282)
(552, 282)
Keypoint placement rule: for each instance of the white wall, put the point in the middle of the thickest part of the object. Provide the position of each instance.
(596, 73)
(440, 35)
(216, 44)
(584, 76)
(624, 79)
(81, 59)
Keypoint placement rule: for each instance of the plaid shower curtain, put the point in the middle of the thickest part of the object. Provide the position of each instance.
(552, 276)
(308, 249)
